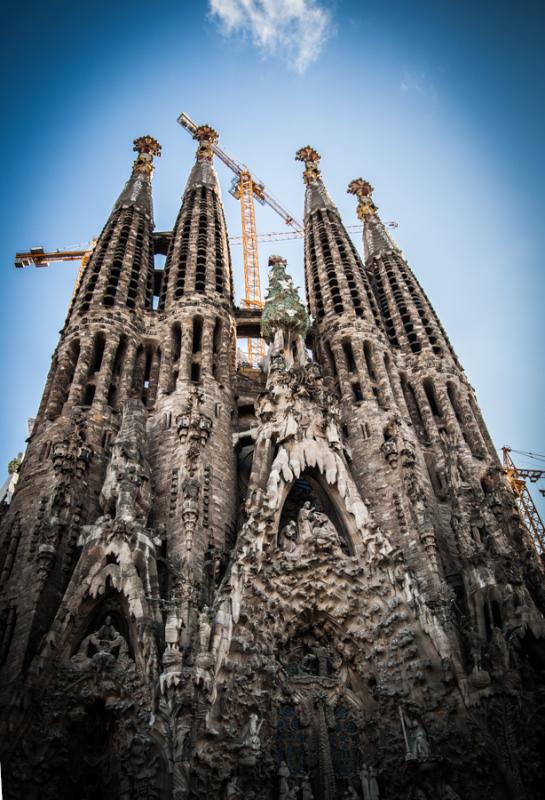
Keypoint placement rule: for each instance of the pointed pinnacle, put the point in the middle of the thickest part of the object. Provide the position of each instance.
(146, 147)
(311, 158)
(363, 191)
(205, 133)
(147, 144)
(206, 137)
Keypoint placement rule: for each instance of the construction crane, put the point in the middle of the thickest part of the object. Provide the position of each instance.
(517, 478)
(38, 257)
(246, 187)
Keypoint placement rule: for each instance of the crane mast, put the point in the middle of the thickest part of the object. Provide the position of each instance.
(526, 506)
(252, 281)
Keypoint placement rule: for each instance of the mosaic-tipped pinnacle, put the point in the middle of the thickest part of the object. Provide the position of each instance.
(147, 144)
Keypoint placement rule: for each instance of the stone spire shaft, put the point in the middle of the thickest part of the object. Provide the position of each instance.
(347, 326)
(120, 270)
(199, 260)
(196, 380)
(436, 393)
(336, 283)
(407, 315)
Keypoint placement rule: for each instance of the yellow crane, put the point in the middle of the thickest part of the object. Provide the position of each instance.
(530, 516)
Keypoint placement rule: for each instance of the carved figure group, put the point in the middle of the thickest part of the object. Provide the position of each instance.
(311, 526)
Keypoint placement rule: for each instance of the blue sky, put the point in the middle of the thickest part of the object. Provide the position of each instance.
(439, 104)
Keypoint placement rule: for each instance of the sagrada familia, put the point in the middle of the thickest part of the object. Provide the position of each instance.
(303, 581)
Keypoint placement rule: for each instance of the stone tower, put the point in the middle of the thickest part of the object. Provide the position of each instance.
(307, 580)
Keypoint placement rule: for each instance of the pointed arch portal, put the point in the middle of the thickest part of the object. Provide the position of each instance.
(311, 486)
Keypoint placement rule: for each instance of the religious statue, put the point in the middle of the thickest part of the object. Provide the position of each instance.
(103, 647)
(287, 539)
(324, 531)
(126, 493)
(369, 783)
(416, 740)
(304, 521)
(204, 630)
(251, 743)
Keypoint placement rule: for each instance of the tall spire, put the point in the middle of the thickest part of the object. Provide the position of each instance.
(316, 195)
(137, 190)
(204, 173)
(335, 279)
(120, 270)
(408, 316)
(375, 235)
(199, 259)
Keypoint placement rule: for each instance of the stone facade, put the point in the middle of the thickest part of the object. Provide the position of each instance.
(304, 581)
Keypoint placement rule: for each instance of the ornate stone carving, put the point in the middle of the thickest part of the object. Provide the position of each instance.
(126, 493)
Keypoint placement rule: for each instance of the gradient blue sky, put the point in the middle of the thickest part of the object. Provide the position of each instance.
(439, 104)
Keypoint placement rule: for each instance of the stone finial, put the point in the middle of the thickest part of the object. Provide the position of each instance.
(206, 137)
(283, 307)
(311, 158)
(147, 147)
(363, 191)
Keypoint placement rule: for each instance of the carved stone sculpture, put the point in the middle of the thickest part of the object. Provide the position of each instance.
(126, 492)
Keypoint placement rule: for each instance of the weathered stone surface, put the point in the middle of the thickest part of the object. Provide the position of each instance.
(308, 583)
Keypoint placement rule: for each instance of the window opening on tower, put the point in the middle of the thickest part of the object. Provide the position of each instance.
(327, 256)
(429, 389)
(369, 359)
(188, 210)
(219, 248)
(197, 335)
(176, 332)
(349, 356)
(412, 407)
(345, 261)
(137, 262)
(89, 395)
(118, 257)
(202, 243)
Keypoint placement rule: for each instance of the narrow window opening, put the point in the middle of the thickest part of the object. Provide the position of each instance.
(412, 407)
(89, 395)
(358, 394)
(432, 399)
(147, 369)
(176, 342)
(216, 347)
(195, 372)
(98, 353)
(349, 356)
(496, 615)
(197, 335)
(119, 356)
(331, 359)
(368, 353)
(112, 395)
(138, 374)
